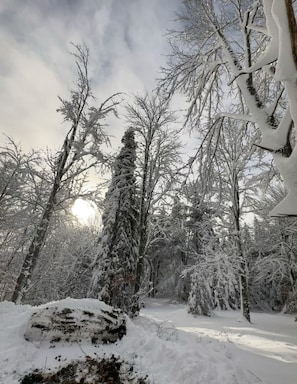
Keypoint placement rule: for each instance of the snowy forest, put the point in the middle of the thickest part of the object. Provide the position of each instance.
(214, 225)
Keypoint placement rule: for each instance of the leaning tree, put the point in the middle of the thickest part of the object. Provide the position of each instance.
(80, 151)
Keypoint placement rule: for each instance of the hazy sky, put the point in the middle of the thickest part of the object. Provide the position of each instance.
(127, 44)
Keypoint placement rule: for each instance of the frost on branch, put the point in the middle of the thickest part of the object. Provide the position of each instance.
(285, 68)
(287, 167)
(282, 12)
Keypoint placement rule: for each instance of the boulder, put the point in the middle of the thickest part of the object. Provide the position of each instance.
(71, 320)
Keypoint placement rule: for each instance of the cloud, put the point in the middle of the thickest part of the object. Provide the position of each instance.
(28, 97)
(126, 41)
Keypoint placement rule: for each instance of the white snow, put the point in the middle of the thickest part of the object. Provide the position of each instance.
(266, 349)
(285, 69)
(167, 344)
(287, 168)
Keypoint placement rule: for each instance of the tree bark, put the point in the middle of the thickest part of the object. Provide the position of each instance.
(292, 29)
(143, 214)
(243, 278)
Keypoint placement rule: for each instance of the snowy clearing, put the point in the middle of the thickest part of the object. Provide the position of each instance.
(166, 344)
(267, 348)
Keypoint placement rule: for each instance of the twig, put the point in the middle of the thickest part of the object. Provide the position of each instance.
(81, 348)
(258, 378)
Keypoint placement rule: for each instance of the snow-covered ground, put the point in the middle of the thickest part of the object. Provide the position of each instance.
(267, 348)
(168, 345)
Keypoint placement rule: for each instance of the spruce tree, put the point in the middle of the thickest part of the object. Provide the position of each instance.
(200, 300)
(114, 268)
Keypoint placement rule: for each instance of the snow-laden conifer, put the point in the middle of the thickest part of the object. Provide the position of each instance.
(115, 264)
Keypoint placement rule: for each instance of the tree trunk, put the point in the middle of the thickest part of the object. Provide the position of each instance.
(23, 281)
(292, 29)
(143, 214)
(31, 258)
(243, 278)
(141, 252)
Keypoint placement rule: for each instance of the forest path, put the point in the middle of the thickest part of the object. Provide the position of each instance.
(267, 347)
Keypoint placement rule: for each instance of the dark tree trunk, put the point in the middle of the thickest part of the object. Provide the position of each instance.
(143, 216)
(243, 278)
(293, 29)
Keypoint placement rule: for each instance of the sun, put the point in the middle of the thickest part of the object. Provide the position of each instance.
(85, 211)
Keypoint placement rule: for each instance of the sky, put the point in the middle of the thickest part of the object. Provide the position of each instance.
(127, 42)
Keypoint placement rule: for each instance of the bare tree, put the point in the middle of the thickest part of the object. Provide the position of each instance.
(225, 44)
(19, 184)
(229, 65)
(83, 140)
(158, 155)
(236, 161)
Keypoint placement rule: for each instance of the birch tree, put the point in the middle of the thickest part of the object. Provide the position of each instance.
(80, 151)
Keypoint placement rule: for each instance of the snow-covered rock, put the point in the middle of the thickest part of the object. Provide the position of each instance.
(63, 322)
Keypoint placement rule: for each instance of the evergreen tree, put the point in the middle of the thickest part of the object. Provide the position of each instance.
(114, 267)
(200, 300)
(167, 253)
